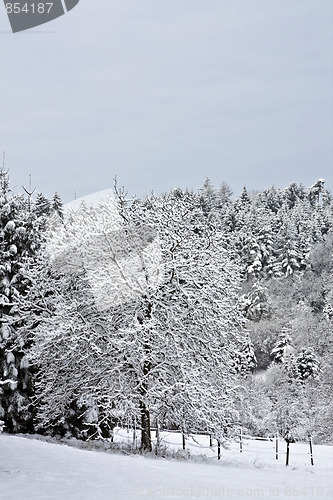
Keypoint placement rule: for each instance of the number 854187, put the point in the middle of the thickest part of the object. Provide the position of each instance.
(33, 8)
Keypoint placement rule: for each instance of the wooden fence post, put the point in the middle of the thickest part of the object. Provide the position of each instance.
(134, 436)
(210, 440)
(157, 438)
(311, 451)
(218, 450)
(241, 440)
(276, 446)
(287, 455)
(184, 441)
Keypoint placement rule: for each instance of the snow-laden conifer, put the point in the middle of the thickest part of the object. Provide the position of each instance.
(19, 241)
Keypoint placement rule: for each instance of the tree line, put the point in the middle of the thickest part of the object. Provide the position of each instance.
(161, 311)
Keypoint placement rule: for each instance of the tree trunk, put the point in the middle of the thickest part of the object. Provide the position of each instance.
(146, 445)
(145, 428)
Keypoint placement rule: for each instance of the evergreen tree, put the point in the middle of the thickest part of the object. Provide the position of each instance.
(283, 347)
(255, 303)
(307, 364)
(42, 205)
(294, 194)
(287, 255)
(57, 206)
(19, 241)
(224, 195)
(244, 201)
(208, 197)
(315, 192)
(271, 199)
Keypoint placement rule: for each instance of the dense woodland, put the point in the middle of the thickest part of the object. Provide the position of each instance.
(198, 311)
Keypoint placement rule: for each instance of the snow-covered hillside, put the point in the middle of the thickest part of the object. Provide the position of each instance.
(91, 200)
(35, 470)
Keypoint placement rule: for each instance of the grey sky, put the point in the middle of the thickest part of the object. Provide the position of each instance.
(163, 93)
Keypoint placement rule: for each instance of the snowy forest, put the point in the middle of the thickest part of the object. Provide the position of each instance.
(197, 311)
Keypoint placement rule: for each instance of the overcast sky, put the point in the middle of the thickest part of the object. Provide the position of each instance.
(164, 93)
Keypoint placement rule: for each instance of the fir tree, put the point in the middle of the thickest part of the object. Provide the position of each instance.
(315, 192)
(19, 241)
(255, 303)
(42, 205)
(57, 206)
(307, 364)
(283, 347)
(293, 194)
(244, 201)
(272, 199)
(208, 197)
(224, 195)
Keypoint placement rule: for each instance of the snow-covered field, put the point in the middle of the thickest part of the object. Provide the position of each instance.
(32, 469)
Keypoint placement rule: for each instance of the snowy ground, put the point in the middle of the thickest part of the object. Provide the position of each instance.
(31, 469)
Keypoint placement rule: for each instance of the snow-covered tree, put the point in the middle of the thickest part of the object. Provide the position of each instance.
(56, 205)
(245, 359)
(293, 194)
(323, 429)
(307, 364)
(255, 303)
(155, 332)
(224, 195)
(256, 407)
(291, 414)
(19, 241)
(208, 197)
(283, 347)
(42, 206)
(315, 191)
(288, 255)
(244, 201)
(271, 199)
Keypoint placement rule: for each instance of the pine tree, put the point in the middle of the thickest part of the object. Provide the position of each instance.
(245, 359)
(255, 303)
(57, 206)
(244, 201)
(208, 197)
(283, 347)
(307, 364)
(272, 199)
(224, 195)
(288, 256)
(19, 241)
(42, 205)
(294, 194)
(315, 192)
